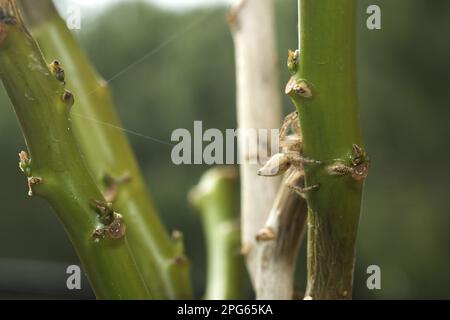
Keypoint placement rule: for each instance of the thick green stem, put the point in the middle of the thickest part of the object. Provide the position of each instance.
(325, 94)
(108, 153)
(217, 199)
(57, 171)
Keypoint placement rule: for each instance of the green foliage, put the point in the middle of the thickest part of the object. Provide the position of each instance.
(404, 109)
(56, 170)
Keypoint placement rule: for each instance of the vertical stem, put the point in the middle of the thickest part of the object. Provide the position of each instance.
(107, 151)
(217, 199)
(325, 94)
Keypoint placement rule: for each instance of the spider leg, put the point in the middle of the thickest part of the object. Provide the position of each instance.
(288, 122)
(302, 192)
(296, 128)
(295, 181)
(298, 161)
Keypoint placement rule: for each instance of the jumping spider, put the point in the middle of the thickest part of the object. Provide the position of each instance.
(290, 156)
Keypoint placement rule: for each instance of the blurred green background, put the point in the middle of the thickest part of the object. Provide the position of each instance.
(404, 71)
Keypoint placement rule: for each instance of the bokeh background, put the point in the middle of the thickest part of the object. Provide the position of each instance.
(404, 73)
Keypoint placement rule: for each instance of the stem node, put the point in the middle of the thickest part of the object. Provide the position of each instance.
(266, 234)
(32, 181)
(293, 61)
(68, 99)
(114, 230)
(298, 88)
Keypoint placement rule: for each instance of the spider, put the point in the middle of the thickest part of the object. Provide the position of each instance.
(290, 156)
(292, 161)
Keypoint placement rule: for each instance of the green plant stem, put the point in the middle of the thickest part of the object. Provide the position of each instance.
(217, 199)
(66, 182)
(107, 151)
(330, 126)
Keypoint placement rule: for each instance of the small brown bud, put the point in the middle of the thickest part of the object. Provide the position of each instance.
(266, 234)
